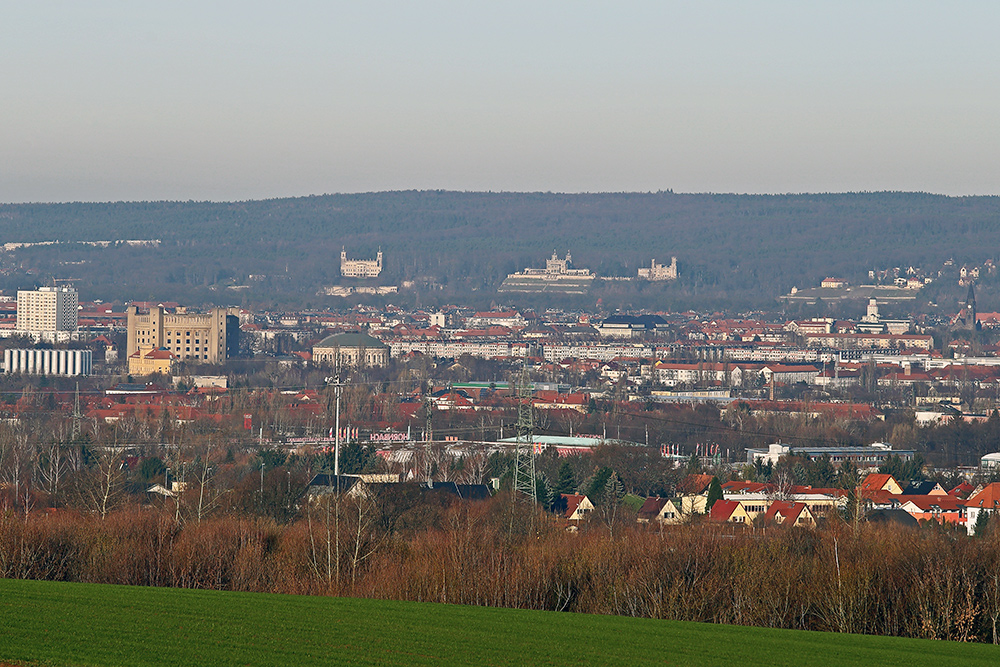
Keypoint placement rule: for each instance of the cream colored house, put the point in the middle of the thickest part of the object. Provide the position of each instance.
(729, 511)
(692, 494)
(148, 360)
(577, 506)
(660, 510)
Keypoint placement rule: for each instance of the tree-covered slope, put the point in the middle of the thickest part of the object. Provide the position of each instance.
(746, 248)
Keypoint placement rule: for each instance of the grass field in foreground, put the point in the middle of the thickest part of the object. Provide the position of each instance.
(45, 623)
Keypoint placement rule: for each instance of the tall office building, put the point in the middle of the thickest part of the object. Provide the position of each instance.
(47, 310)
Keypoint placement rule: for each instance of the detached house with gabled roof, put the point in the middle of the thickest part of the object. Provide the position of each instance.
(924, 488)
(578, 506)
(693, 494)
(881, 482)
(941, 508)
(661, 510)
(786, 513)
(986, 499)
(729, 511)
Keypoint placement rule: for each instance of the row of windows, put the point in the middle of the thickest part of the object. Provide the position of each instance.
(150, 332)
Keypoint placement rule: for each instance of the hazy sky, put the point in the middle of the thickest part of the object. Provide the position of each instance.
(242, 100)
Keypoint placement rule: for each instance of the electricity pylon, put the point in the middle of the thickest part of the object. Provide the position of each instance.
(524, 447)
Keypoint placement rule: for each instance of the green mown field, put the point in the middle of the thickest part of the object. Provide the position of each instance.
(45, 623)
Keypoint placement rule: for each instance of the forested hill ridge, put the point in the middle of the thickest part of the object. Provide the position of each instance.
(734, 251)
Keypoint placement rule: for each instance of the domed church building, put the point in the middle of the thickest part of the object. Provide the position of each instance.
(350, 349)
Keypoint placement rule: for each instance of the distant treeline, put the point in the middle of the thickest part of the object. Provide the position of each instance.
(733, 250)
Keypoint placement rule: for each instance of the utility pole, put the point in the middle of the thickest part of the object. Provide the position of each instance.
(337, 386)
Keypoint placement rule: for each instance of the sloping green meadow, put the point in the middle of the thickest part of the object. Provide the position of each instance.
(46, 623)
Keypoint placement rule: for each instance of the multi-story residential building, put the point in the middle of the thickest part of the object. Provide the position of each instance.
(507, 318)
(209, 338)
(47, 310)
(671, 374)
(869, 341)
(596, 351)
(360, 268)
(452, 349)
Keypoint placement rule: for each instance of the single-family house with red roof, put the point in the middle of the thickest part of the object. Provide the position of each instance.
(785, 513)
(661, 510)
(578, 506)
(880, 482)
(728, 511)
(693, 494)
(986, 499)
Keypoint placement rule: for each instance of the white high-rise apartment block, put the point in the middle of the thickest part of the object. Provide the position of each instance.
(47, 310)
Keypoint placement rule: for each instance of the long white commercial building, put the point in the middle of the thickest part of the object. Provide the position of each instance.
(48, 362)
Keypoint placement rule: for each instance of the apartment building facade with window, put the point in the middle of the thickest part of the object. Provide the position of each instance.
(47, 310)
(206, 338)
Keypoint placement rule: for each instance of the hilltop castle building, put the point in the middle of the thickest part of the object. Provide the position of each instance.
(659, 271)
(360, 268)
(557, 276)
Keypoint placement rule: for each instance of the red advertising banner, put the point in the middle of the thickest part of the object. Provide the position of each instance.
(248, 422)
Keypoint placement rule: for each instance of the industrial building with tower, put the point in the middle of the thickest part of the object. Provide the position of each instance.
(207, 338)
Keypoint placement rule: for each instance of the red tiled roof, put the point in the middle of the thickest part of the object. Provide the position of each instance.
(651, 508)
(962, 490)
(989, 496)
(573, 501)
(746, 487)
(694, 483)
(789, 510)
(722, 510)
(926, 503)
(875, 482)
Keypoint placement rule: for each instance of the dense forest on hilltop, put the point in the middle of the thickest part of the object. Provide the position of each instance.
(734, 251)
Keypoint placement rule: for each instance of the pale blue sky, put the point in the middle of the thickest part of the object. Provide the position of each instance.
(111, 100)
